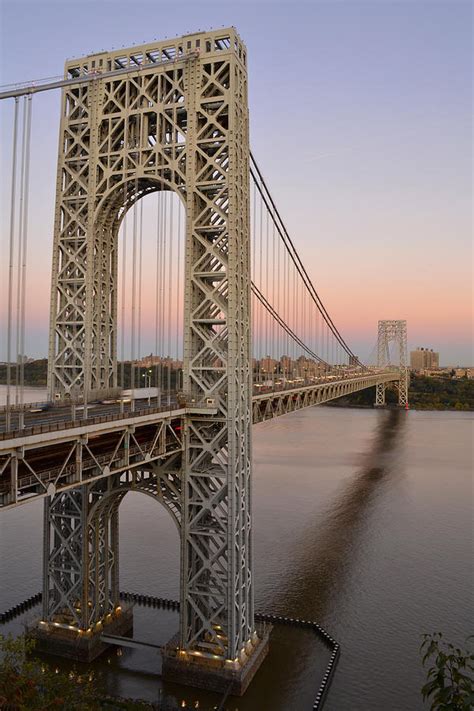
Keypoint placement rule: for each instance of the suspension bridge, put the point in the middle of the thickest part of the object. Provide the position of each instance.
(240, 336)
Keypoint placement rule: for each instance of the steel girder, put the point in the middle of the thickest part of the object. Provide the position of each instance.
(35, 466)
(274, 404)
(390, 331)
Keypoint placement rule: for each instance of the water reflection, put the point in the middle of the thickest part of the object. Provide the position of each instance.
(326, 551)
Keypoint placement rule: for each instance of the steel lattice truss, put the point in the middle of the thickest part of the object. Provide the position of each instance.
(391, 331)
(45, 463)
(275, 404)
(181, 127)
(81, 562)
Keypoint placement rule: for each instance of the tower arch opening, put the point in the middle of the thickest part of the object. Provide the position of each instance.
(148, 307)
(109, 503)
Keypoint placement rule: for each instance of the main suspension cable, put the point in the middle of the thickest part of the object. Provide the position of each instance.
(266, 197)
(284, 325)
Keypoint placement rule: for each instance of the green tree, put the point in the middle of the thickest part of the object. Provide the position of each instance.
(450, 675)
(26, 684)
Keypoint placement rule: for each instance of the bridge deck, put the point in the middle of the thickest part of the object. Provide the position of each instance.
(54, 453)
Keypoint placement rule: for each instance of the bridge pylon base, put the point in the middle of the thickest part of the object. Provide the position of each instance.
(214, 674)
(81, 645)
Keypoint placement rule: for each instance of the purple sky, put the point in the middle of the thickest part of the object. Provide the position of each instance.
(360, 119)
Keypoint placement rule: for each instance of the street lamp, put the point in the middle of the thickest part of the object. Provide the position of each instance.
(147, 376)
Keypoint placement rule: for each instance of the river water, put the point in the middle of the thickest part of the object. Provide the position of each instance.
(362, 522)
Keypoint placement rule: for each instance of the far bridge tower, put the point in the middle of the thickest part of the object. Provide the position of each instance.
(392, 332)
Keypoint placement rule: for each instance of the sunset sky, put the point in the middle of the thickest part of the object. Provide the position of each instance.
(360, 116)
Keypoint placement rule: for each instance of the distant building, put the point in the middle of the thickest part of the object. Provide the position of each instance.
(285, 364)
(464, 373)
(424, 358)
(152, 360)
(268, 364)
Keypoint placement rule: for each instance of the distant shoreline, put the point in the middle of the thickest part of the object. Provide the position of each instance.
(353, 406)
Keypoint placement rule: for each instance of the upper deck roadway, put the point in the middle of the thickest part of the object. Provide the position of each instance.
(53, 452)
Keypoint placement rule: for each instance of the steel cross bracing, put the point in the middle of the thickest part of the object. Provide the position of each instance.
(392, 331)
(183, 128)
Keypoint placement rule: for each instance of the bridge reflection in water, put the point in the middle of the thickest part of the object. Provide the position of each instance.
(324, 555)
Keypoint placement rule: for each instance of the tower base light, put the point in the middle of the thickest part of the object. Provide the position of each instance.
(207, 671)
(70, 642)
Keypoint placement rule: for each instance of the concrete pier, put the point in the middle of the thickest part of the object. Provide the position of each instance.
(206, 671)
(80, 645)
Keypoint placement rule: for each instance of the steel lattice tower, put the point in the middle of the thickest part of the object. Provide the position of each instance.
(174, 117)
(390, 331)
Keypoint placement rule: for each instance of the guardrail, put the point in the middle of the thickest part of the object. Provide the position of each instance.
(70, 424)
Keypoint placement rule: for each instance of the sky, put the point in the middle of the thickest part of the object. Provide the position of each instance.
(360, 119)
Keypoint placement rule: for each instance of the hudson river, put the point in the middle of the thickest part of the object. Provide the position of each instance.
(362, 522)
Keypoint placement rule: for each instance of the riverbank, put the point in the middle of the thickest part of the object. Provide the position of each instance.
(424, 394)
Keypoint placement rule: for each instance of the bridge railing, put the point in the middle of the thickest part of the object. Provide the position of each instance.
(70, 424)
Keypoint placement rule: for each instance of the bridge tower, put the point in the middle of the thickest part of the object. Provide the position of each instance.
(390, 331)
(172, 116)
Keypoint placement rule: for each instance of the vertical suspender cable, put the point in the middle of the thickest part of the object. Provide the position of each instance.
(274, 328)
(257, 307)
(278, 282)
(157, 294)
(162, 284)
(25, 245)
(285, 315)
(134, 288)
(170, 287)
(10, 260)
(160, 281)
(179, 299)
(20, 250)
(122, 296)
(323, 335)
(126, 144)
(267, 257)
(261, 325)
(291, 301)
(297, 314)
(140, 288)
